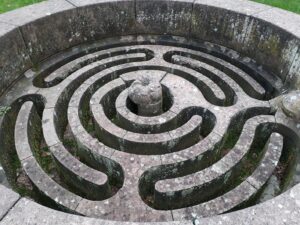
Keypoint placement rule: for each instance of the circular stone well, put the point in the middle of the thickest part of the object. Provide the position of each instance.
(136, 112)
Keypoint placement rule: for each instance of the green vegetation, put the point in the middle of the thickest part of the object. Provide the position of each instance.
(291, 5)
(43, 156)
(69, 143)
(6, 5)
(71, 146)
(4, 110)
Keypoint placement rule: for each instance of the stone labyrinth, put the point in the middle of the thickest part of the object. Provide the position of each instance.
(83, 146)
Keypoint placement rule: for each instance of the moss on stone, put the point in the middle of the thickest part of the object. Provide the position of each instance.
(4, 110)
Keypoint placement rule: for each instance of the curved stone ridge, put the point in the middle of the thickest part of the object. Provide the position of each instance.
(83, 144)
(73, 140)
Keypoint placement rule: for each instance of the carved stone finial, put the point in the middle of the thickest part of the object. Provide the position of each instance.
(291, 105)
(147, 94)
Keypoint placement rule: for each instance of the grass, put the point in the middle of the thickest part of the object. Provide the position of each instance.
(7, 5)
(4, 110)
(291, 5)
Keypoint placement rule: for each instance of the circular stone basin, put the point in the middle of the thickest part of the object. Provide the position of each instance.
(149, 111)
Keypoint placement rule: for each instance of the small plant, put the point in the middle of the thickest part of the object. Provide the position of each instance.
(69, 143)
(4, 110)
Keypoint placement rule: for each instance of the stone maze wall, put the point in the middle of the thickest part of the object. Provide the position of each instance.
(72, 140)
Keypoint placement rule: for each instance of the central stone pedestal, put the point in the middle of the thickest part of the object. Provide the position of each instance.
(146, 93)
(291, 105)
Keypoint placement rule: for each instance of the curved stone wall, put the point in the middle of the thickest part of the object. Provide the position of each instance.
(262, 35)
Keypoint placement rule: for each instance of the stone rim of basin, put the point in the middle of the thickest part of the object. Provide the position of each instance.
(23, 28)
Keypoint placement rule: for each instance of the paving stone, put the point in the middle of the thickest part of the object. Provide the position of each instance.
(28, 212)
(270, 212)
(8, 200)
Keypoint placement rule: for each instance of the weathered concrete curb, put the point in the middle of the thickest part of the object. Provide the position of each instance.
(284, 209)
(8, 200)
(270, 36)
